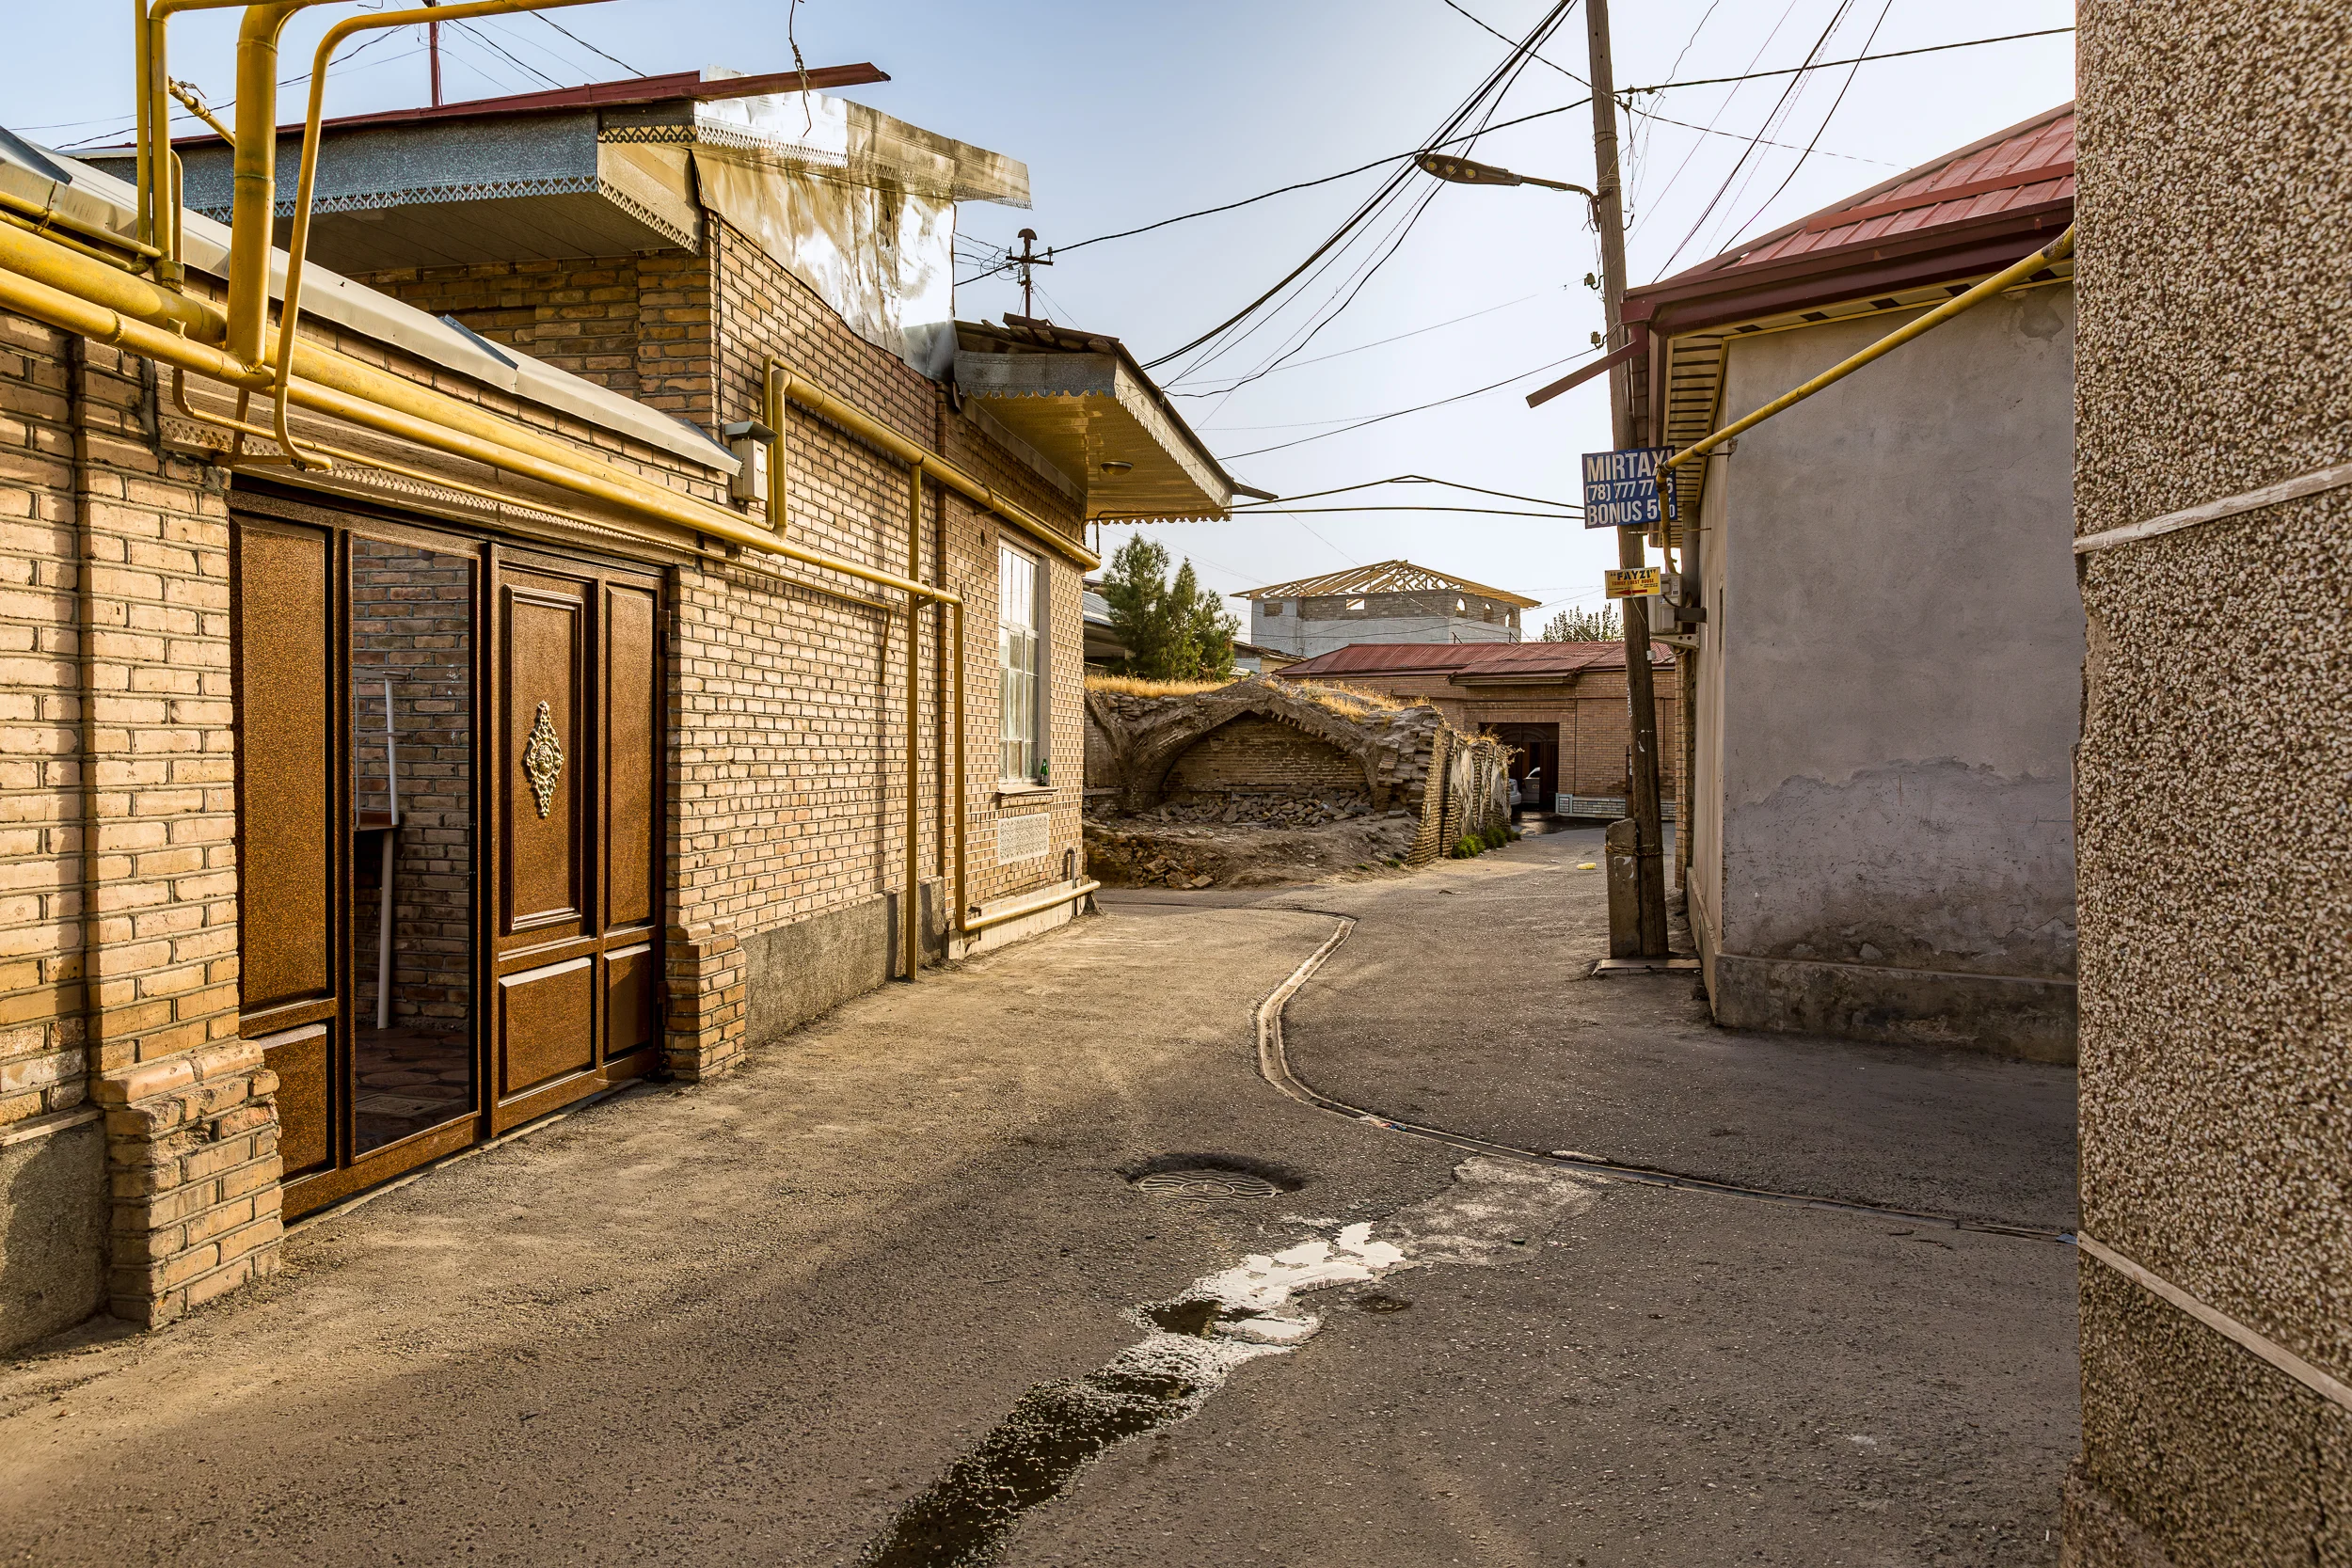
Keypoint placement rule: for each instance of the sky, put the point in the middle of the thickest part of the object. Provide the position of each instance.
(1129, 113)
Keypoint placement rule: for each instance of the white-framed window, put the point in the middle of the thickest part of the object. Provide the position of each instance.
(1020, 592)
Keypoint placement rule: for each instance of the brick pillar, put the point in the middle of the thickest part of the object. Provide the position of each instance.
(192, 1130)
(192, 1140)
(706, 1022)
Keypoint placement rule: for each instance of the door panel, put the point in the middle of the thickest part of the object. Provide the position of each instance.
(304, 1061)
(580, 981)
(543, 1017)
(632, 999)
(541, 777)
(286, 806)
(631, 758)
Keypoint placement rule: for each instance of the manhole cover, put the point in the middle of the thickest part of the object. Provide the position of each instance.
(1200, 1186)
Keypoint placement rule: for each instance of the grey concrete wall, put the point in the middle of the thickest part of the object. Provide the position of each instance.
(1294, 634)
(1902, 646)
(53, 1227)
(2216, 147)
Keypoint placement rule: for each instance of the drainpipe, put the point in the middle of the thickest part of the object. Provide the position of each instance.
(910, 918)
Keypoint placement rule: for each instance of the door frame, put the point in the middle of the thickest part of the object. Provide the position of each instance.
(340, 520)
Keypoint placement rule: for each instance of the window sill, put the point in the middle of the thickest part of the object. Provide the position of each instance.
(1023, 792)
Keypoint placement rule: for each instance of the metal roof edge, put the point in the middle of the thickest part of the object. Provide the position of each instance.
(334, 298)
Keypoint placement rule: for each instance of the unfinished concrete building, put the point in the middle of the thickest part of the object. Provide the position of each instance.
(1389, 601)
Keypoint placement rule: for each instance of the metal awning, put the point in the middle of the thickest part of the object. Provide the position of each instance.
(1084, 405)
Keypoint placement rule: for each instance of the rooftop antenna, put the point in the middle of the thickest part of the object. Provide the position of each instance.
(1027, 259)
(432, 48)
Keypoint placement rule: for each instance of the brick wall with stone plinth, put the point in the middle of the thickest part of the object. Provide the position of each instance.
(118, 854)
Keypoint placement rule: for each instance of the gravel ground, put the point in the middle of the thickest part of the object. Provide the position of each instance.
(777, 1319)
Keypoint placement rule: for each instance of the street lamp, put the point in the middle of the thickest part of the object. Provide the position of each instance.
(1467, 171)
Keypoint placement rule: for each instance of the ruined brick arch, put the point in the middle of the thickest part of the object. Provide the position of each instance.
(1143, 755)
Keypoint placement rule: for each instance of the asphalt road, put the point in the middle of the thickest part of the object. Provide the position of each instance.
(877, 1297)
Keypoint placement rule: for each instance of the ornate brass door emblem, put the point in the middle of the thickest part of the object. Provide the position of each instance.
(543, 760)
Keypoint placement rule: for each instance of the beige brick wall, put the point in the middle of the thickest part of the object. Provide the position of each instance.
(788, 790)
(119, 869)
(1591, 711)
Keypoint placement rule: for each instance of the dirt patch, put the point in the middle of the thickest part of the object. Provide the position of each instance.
(1143, 852)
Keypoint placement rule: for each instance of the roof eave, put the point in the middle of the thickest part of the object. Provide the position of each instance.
(1947, 251)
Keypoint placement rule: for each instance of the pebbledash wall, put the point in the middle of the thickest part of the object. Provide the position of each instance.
(786, 785)
(2213, 855)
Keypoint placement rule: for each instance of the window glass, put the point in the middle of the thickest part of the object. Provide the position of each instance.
(1017, 664)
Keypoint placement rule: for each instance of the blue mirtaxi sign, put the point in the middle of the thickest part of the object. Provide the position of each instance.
(1621, 487)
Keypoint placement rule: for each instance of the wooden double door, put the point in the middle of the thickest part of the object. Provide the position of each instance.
(450, 829)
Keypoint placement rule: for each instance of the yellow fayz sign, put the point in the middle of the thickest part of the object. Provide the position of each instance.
(1632, 582)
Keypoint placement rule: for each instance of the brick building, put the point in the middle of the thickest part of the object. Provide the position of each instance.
(1389, 601)
(1560, 706)
(356, 813)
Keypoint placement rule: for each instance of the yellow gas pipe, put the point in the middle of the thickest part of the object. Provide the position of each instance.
(85, 296)
(2009, 276)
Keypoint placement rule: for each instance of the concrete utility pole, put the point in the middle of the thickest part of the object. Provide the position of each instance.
(1641, 689)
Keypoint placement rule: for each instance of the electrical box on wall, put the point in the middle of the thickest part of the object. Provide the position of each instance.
(751, 442)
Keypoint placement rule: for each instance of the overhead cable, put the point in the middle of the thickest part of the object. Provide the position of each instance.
(1378, 343)
(1832, 65)
(1835, 104)
(1780, 106)
(585, 44)
(1400, 413)
(1365, 209)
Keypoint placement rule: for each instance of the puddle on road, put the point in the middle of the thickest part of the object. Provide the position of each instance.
(1193, 1341)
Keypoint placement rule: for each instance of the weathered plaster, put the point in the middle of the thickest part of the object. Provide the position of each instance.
(1889, 687)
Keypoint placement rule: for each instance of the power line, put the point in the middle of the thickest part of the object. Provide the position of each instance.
(585, 44)
(1834, 107)
(503, 53)
(1502, 73)
(1400, 413)
(1406, 479)
(1779, 107)
(1496, 88)
(223, 107)
(1379, 342)
(1832, 65)
(1793, 146)
(1721, 109)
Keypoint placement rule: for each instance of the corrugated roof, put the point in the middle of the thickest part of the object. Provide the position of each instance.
(1383, 577)
(2025, 165)
(1534, 659)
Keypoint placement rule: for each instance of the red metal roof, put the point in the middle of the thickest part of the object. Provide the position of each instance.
(2029, 165)
(1472, 659)
(635, 89)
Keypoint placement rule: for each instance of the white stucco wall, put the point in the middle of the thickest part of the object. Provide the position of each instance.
(1892, 661)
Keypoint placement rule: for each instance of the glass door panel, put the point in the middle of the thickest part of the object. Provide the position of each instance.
(411, 618)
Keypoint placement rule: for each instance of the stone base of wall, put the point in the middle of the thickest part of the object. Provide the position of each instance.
(2005, 1015)
(192, 1142)
(799, 972)
(52, 1225)
(2099, 1535)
